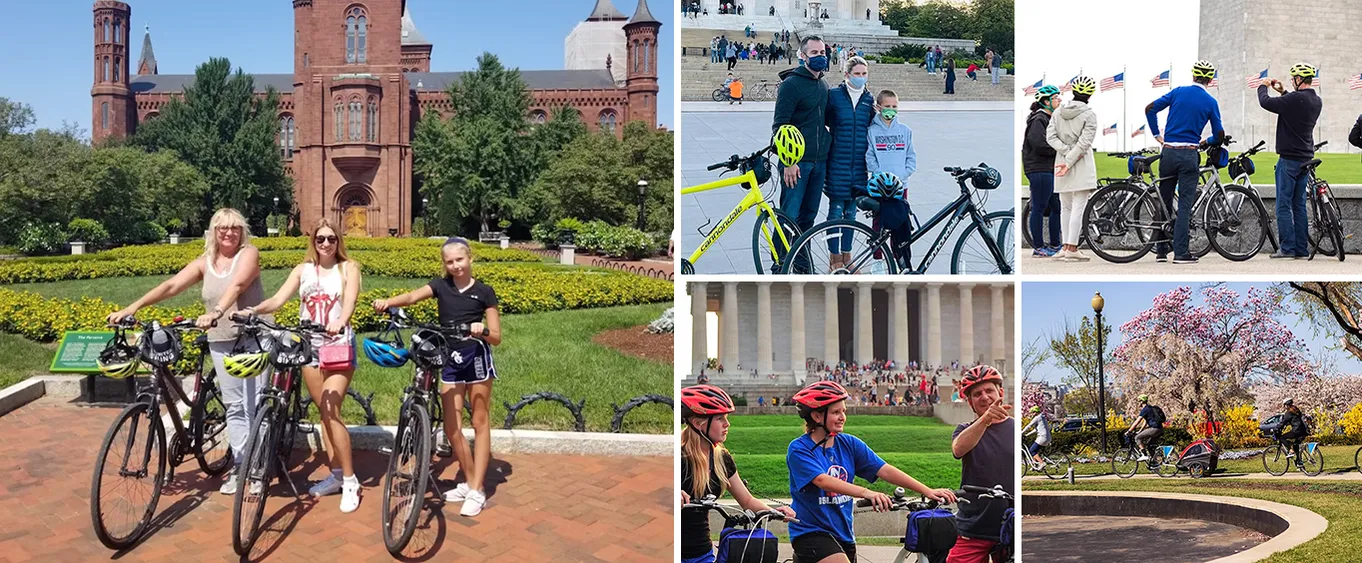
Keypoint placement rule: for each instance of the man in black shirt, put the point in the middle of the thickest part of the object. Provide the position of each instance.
(1297, 113)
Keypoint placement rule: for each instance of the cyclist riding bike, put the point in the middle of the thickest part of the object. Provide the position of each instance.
(1297, 112)
(1294, 429)
(823, 463)
(1189, 109)
(987, 451)
(1148, 426)
(1040, 426)
(707, 468)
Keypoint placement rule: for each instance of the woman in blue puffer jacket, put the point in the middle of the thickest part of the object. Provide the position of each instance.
(849, 112)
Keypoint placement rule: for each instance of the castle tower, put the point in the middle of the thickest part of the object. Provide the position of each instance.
(112, 114)
(641, 41)
(598, 42)
(146, 65)
(415, 48)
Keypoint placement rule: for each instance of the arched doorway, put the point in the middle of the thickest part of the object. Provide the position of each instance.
(353, 206)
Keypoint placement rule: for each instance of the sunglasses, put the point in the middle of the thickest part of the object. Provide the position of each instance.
(231, 229)
(326, 238)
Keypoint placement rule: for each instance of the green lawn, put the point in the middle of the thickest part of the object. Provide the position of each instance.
(1337, 168)
(920, 446)
(23, 358)
(1334, 500)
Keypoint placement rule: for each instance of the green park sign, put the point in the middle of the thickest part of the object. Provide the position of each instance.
(79, 351)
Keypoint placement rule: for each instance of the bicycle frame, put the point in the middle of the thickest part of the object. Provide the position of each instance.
(748, 181)
(952, 214)
(165, 386)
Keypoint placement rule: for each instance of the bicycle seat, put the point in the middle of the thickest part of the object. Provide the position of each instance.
(1308, 166)
(1151, 159)
(868, 204)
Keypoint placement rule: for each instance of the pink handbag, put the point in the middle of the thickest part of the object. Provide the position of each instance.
(338, 356)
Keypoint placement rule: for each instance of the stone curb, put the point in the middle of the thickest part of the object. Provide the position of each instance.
(377, 438)
(1302, 525)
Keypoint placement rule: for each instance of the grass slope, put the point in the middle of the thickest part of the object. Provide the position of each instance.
(1337, 168)
(23, 358)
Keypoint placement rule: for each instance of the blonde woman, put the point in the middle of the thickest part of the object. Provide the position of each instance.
(230, 271)
(327, 284)
(707, 468)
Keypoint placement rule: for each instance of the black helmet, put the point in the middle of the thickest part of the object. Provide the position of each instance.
(161, 347)
(289, 350)
(428, 347)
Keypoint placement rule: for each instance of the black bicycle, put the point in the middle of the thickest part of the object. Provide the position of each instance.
(985, 247)
(130, 470)
(1277, 457)
(1006, 551)
(1159, 460)
(278, 415)
(1326, 221)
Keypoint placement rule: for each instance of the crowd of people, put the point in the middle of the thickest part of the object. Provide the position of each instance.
(724, 50)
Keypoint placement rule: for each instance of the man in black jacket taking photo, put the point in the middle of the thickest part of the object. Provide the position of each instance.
(801, 102)
(1297, 112)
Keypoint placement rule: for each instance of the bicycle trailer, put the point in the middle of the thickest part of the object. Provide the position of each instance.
(1199, 458)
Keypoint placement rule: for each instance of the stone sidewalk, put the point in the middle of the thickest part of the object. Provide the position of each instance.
(540, 508)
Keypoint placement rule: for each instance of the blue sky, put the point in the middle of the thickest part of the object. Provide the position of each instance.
(1045, 306)
(46, 61)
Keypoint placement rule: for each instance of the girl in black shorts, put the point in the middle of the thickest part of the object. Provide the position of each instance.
(468, 373)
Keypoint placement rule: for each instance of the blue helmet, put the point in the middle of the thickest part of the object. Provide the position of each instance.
(386, 354)
(886, 185)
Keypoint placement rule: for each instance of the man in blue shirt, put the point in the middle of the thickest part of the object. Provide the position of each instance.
(1189, 109)
(1297, 113)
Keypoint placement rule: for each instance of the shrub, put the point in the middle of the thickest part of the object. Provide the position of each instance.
(144, 232)
(1352, 422)
(37, 239)
(591, 237)
(504, 224)
(87, 230)
(1069, 441)
(545, 234)
(627, 243)
(174, 226)
(886, 59)
(1238, 428)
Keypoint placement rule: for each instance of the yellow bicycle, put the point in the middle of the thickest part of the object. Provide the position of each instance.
(773, 232)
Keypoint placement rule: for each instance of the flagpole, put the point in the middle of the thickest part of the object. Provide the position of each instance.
(1124, 118)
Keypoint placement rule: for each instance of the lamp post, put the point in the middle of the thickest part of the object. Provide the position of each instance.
(273, 211)
(425, 215)
(642, 192)
(1097, 304)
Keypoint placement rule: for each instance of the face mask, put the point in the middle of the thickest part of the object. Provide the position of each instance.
(818, 63)
(889, 113)
(857, 82)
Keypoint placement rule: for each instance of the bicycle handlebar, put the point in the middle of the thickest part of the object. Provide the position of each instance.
(900, 502)
(996, 492)
(735, 161)
(1141, 152)
(743, 517)
(252, 321)
(1320, 144)
(180, 324)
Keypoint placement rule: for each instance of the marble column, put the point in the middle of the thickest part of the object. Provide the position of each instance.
(797, 354)
(865, 330)
(900, 316)
(831, 337)
(967, 324)
(729, 353)
(764, 328)
(996, 317)
(699, 308)
(934, 325)
(874, 10)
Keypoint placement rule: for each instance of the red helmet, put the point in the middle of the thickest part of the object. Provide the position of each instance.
(820, 394)
(705, 400)
(979, 374)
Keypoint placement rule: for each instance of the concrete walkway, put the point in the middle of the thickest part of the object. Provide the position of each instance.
(1213, 264)
(1345, 475)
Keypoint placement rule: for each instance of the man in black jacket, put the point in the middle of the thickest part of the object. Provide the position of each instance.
(1297, 113)
(801, 102)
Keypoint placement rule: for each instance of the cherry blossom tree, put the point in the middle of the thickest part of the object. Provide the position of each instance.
(1208, 354)
(1326, 397)
(1334, 308)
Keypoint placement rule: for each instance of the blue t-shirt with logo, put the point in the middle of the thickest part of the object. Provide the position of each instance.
(818, 510)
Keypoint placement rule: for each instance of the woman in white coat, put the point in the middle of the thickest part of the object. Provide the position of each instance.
(1071, 132)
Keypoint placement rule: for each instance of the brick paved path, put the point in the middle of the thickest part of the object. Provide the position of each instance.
(540, 507)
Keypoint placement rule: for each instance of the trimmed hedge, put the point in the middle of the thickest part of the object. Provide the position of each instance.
(1068, 441)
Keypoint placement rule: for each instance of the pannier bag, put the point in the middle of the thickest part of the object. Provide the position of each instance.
(739, 545)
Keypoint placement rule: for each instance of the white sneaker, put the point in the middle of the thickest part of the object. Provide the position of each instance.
(1078, 256)
(457, 494)
(1142, 458)
(328, 486)
(349, 495)
(473, 503)
(1061, 256)
(256, 488)
(228, 483)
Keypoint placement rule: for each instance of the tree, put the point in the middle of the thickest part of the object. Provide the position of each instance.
(1327, 397)
(125, 186)
(992, 24)
(1178, 353)
(40, 178)
(596, 178)
(1076, 351)
(15, 117)
(1081, 401)
(226, 132)
(1033, 356)
(1334, 308)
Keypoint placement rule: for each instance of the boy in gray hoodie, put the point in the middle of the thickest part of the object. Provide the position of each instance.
(891, 150)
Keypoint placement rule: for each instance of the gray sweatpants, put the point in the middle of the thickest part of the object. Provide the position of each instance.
(1144, 436)
(239, 396)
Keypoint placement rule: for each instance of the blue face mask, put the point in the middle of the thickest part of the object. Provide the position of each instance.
(857, 82)
(818, 63)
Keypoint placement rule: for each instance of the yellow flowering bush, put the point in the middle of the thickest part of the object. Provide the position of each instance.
(1238, 429)
(1352, 421)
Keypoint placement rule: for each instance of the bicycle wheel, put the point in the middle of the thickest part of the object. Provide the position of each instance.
(1237, 223)
(1026, 224)
(128, 477)
(767, 250)
(972, 254)
(288, 429)
(253, 478)
(1275, 461)
(404, 485)
(208, 425)
(1167, 465)
(1124, 463)
(1026, 465)
(869, 253)
(1330, 228)
(1057, 466)
(1119, 222)
(1312, 463)
(718, 95)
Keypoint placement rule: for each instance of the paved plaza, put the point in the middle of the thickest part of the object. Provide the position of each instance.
(1212, 264)
(942, 136)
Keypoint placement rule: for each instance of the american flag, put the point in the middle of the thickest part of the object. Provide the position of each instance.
(1255, 80)
(1161, 79)
(1113, 82)
(1110, 130)
(1355, 82)
(1215, 80)
(1137, 132)
(1068, 86)
(1032, 89)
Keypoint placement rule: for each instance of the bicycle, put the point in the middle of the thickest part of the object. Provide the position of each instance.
(278, 418)
(139, 431)
(899, 502)
(1006, 546)
(762, 91)
(1130, 216)
(1054, 465)
(1125, 462)
(988, 252)
(1277, 458)
(771, 234)
(1326, 221)
(745, 519)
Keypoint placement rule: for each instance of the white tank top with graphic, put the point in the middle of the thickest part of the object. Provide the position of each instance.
(320, 291)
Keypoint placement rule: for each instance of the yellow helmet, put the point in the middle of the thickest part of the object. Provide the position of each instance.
(1203, 69)
(789, 144)
(119, 359)
(246, 365)
(1084, 85)
(1303, 70)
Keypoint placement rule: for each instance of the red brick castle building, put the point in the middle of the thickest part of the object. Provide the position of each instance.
(361, 79)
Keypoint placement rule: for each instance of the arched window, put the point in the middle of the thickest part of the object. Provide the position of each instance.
(634, 56)
(104, 115)
(118, 31)
(607, 120)
(355, 33)
(106, 69)
(287, 133)
(106, 30)
(648, 57)
(363, 32)
(340, 123)
(118, 70)
(356, 119)
(538, 117)
(371, 133)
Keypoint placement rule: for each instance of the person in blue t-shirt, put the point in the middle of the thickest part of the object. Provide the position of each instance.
(1189, 109)
(822, 464)
(1148, 425)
